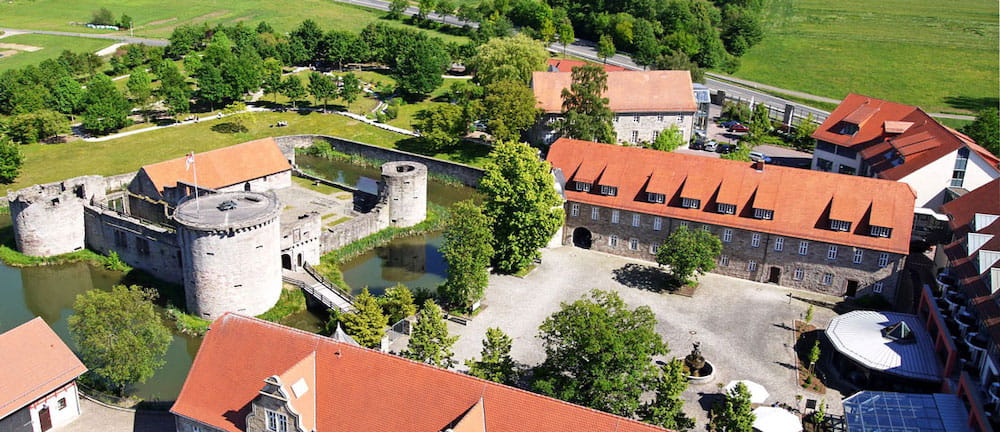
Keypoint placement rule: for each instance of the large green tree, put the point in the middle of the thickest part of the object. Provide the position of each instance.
(985, 130)
(322, 88)
(605, 47)
(106, 107)
(66, 95)
(37, 126)
(522, 203)
(599, 353)
(441, 126)
(429, 341)
(467, 250)
(120, 336)
(139, 86)
(10, 159)
(687, 251)
(397, 303)
(350, 88)
(667, 409)
(495, 363)
(292, 88)
(418, 70)
(586, 115)
(366, 323)
(271, 77)
(509, 58)
(735, 412)
(509, 108)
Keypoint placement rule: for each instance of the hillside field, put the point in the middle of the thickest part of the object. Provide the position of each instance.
(51, 47)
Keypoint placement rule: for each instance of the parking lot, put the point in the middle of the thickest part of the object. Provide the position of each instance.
(784, 156)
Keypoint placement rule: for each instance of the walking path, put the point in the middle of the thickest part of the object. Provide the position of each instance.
(330, 298)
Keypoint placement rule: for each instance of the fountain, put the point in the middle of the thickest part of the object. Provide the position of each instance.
(699, 370)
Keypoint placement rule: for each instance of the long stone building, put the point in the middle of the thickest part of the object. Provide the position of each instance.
(798, 228)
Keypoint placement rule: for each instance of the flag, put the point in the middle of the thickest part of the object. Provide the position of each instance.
(189, 161)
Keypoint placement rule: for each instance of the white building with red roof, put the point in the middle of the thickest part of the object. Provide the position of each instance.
(37, 379)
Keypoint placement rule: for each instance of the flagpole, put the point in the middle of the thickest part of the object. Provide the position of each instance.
(195, 166)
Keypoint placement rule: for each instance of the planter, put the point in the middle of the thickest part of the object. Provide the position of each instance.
(706, 375)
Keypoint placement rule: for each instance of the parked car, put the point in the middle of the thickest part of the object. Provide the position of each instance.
(725, 148)
(697, 144)
(711, 145)
(758, 157)
(729, 124)
(739, 127)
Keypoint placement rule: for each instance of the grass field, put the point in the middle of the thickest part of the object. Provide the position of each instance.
(157, 19)
(941, 56)
(51, 46)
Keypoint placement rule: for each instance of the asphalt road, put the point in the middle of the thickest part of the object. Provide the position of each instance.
(114, 37)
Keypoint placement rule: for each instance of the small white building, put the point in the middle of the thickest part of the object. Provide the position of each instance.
(38, 375)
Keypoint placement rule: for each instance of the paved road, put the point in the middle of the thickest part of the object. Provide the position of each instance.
(117, 37)
(410, 11)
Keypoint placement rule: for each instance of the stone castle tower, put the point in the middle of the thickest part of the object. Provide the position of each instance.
(48, 218)
(404, 188)
(230, 246)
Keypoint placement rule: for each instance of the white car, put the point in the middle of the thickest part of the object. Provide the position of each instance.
(711, 145)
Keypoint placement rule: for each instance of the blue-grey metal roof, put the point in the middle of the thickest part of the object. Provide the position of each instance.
(701, 93)
(869, 411)
(858, 335)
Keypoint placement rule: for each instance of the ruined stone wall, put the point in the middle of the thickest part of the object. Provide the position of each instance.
(404, 189)
(262, 184)
(362, 226)
(48, 218)
(144, 246)
(622, 238)
(302, 237)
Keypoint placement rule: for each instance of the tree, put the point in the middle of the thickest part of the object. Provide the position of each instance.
(397, 303)
(495, 363)
(599, 353)
(350, 88)
(397, 7)
(124, 22)
(308, 36)
(743, 149)
(440, 126)
(678, 60)
(566, 34)
(425, 7)
(522, 204)
(239, 117)
(366, 324)
(10, 160)
(121, 338)
(814, 353)
(667, 409)
(508, 58)
(510, 110)
(689, 251)
(37, 126)
(418, 71)
(271, 75)
(341, 47)
(734, 413)
(321, 87)
(102, 16)
(467, 251)
(212, 88)
(760, 121)
(106, 108)
(605, 47)
(586, 115)
(809, 315)
(429, 341)
(139, 86)
(66, 95)
(804, 131)
(444, 8)
(292, 88)
(985, 130)
(739, 111)
(669, 139)
(646, 49)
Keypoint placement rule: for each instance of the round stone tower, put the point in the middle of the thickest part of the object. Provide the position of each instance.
(405, 192)
(48, 218)
(231, 253)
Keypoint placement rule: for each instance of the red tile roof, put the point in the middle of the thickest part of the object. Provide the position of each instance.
(564, 65)
(221, 167)
(629, 91)
(362, 390)
(889, 128)
(962, 210)
(803, 201)
(35, 362)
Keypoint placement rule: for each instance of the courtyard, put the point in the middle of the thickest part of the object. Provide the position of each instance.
(744, 327)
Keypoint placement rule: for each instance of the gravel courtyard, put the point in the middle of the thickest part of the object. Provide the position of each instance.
(743, 326)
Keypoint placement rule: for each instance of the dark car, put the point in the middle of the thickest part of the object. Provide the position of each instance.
(725, 148)
(729, 124)
(697, 145)
(739, 127)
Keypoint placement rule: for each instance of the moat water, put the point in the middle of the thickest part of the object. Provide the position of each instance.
(49, 291)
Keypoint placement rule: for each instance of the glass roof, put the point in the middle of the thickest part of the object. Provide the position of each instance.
(905, 412)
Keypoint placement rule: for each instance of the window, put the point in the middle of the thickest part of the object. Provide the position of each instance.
(653, 249)
(582, 186)
(61, 403)
(618, 118)
(635, 118)
(690, 203)
(613, 241)
(276, 422)
(657, 223)
(724, 261)
(636, 220)
(958, 175)
(659, 117)
(823, 164)
(799, 274)
(614, 216)
(877, 288)
(655, 197)
(763, 214)
(779, 244)
(121, 239)
(609, 190)
(831, 252)
(846, 169)
(726, 208)
(883, 259)
(656, 134)
(633, 244)
(858, 255)
(847, 128)
(878, 231)
(635, 136)
(839, 225)
(706, 228)
(727, 235)
(680, 119)
(755, 240)
(751, 265)
(594, 213)
(574, 210)
(685, 223)
(827, 278)
(803, 248)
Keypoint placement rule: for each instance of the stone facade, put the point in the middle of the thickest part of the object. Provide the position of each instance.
(405, 189)
(633, 128)
(783, 264)
(300, 241)
(271, 398)
(183, 424)
(48, 218)
(149, 247)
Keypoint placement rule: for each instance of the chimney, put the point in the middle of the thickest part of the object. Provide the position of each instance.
(759, 165)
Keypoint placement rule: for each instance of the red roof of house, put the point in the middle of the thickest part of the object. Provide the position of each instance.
(628, 91)
(362, 390)
(221, 167)
(803, 201)
(564, 65)
(894, 139)
(35, 362)
(962, 210)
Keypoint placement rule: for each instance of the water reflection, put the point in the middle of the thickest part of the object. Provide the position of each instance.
(414, 261)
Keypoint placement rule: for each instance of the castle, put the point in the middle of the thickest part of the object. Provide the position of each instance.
(213, 222)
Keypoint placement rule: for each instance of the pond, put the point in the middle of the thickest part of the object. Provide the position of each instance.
(413, 261)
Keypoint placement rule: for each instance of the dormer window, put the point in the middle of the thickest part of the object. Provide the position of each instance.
(847, 129)
(582, 186)
(690, 203)
(726, 208)
(609, 190)
(276, 422)
(839, 225)
(763, 214)
(878, 231)
(656, 197)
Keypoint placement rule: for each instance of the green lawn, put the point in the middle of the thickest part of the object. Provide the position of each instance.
(157, 19)
(941, 56)
(318, 187)
(52, 46)
(407, 112)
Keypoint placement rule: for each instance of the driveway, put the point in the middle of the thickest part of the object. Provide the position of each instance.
(744, 326)
(96, 417)
(784, 156)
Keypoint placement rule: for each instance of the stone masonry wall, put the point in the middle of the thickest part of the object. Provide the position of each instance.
(362, 226)
(148, 247)
(48, 218)
(649, 124)
(404, 187)
(184, 424)
(739, 251)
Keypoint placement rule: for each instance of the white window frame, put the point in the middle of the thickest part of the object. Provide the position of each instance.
(633, 243)
(779, 244)
(755, 240)
(727, 235)
(877, 288)
(831, 252)
(654, 248)
(656, 197)
(751, 265)
(635, 118)
(574, 209)
(613, 241)
(803, 248)
(609, 190)
(723, 260)
(883, 259)
(635, 136)
(582, 186)
(827, 279)
(595, 213)
(690, 203)
(636, 220)
(276, 422)
(659, 117)
(799, 274)
(859, 255)
(839, 225)
(615, 216)
(726, 208)
(685, 223)
(657, 223)
(706, 228)
(763, 214)
(878, 231)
